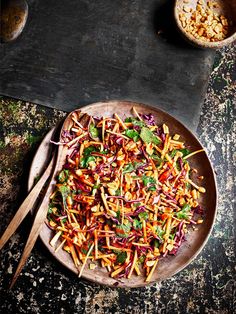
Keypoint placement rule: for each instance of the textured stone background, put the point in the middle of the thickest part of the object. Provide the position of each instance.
(205, 286)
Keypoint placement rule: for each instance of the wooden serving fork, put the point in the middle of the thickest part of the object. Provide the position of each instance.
(43, 208)
(27, 205)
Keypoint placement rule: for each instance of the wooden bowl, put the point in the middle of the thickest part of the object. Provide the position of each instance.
(227, 8)
(196, 239)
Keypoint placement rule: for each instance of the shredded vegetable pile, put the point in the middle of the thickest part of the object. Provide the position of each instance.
(125, 196)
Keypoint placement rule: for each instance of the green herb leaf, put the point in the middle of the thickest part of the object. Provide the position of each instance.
(148, 180)
(138, 164)
(183, 214)
(104, 152)
(152, 188)
(137, 224)
(118, 192)
(88, 150)
(65, 191)
(131, 167)
(148, 137)
(135, 121)
(128, 168)
(84, 162)
(156, 158)
(93, 131)
(184, 151)
(143, 216)
(188, 185)
(63, 176)
(173, 153)
(141, 259)
(50, 207)
(96, 186)
(159, 232)
(86, 246)
(123, 230)
(121, 257)
(118, 214)
(156, 243)
(132, 134)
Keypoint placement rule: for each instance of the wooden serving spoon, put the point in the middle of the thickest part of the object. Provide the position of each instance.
(41, 214)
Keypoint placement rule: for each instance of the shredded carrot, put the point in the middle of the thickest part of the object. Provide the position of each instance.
(133, 263)
(125, 196)
(85, 260)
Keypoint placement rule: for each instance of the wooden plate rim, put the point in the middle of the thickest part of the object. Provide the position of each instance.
(129, 105)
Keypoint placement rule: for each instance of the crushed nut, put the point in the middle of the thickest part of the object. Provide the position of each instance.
(150, 263)
(92, 266)
(203, 23)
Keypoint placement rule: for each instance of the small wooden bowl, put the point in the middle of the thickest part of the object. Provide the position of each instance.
(226, 8)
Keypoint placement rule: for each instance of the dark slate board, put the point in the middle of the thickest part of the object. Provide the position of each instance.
(77, 52)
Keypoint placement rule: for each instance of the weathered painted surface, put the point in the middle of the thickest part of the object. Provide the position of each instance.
(91, 50)
(205, 286)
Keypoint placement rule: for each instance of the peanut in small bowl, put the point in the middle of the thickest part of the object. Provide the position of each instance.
(207, 24)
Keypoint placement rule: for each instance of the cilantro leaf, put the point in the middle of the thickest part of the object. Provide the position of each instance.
(131, 167)
(63, 176)
(183, 214)
(135, 121)
(138, 164)
(50, 207)
(118, 192)
(85, 248)
(188, 185)
(132, 134)
(65, 191)
(128, 168)
(159, 232)
(156, 158)
(88, 150)
(84, 162)
(173, 153)
(123, 230)
(93, 130)
(137, 224)
(104, 152)
(143, 216)
(141, 259)
(148, 180)
(156, 243)
(121, 257)
(118, 214)
(152, 188)
(184, 151)
(148, 137)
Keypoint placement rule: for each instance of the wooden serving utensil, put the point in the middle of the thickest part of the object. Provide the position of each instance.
(41, 214)
(26, 206)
